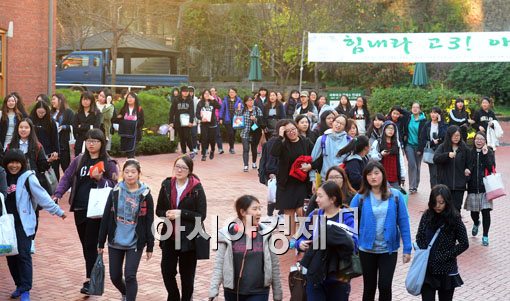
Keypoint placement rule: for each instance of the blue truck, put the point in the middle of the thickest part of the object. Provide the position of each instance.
(84, 69)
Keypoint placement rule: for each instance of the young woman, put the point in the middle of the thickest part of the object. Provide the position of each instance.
(290, 191)
(324, 281)
(375, 129)
(452, 158)
(81, 178)
(24, 192)
(397, 115)
(63, 116)
(174, 95)
(273, 111)
(303, 126)
(344, 106)
(414, 124)
(181, 197)
(433, 134)
(291, 104)
(11, 115)
(442, 269)
(321, 101)
(181, 118)
(352, 128)
(383, 222)
(231, 103)
(261, 98)
(339, 176)
(86, 118)
(326, 147)
(388, 151)
(460, 117)
(308, 108)
(356, 151)
(219, 140)
(483, 118)
(207, 109)
(246, 273)
(326, 122)
(46, 130)
(482, 160)
(279, 96)
(105, 106)
(43, 97)
(127, 221)
(314, 98)
(250, 134)
(361, 114)
(131, 120)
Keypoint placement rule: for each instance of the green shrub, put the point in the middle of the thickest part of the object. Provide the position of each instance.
(382, 100)
(491, 79)
(72, 97)
(150, 145)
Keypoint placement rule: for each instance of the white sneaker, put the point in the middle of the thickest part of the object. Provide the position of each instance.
(32, 247)
(245, 169)
(254, 165)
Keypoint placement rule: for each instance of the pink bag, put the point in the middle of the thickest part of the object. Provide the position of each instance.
(494, 187)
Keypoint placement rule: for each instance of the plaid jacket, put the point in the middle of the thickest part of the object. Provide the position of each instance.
(245, 132)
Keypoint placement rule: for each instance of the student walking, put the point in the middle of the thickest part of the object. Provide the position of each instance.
(63, 116)
(384, 221)
(247, 274)
(219, 139)
(207, 112)
(413, 124)
(361, 114)
(452, 159)
(442, 269)
(356, 151)
(250, 134)
(11, 115)
(131, 120)
(181, 118)
(23, 193)
(86, 118)
(482, 161)
(182, 198)
(230, 104)
(81, 178)
(433, 134)
(105, 106)
(127, 221)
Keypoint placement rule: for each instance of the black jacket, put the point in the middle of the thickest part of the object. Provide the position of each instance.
(140, 121)
(4, 124)
(268, 163)
(181, 106)
(405, 128)
(66, 121)
(193, 205)
(366, 116)
(213, 107)
(425, 135)
(82, 124)
(47, 135)
(354, 166)
(450, 243)
(143, 225)
(450, 172)
(478, 164)
(281, 150)
(482, 118)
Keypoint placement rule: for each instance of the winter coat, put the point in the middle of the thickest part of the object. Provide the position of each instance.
(354, 165)
(334, 142)
(181, 106)
(478, 164)
(425, 135)
(281, 150)
(225, 112)
(451, 171)
(82, 124)
(375, 154)
(65, 121)
(483, 118)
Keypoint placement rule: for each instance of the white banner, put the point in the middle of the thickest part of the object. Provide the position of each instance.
(409, 47)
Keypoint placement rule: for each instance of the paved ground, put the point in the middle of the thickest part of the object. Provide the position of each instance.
(59, 267)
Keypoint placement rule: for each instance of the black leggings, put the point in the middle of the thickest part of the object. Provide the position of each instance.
(458, 198)
(187, 265)
(246, 149)
(375, 266)
(207, 137)
(184, 134)
(88, 231)
(486, 219)
(127, 283)
(231, 134)
(429, 294)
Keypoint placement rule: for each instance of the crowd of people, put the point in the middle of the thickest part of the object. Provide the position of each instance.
(324, 159)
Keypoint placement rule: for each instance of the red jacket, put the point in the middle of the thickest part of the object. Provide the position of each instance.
(295, 169)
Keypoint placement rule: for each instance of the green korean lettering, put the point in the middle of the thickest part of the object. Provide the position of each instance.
(405, 42)
(378, 43)
(435, 43)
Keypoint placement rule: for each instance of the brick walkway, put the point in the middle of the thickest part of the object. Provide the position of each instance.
(59, 267)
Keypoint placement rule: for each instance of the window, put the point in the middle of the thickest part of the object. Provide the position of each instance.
(96, 61)
(75, 61)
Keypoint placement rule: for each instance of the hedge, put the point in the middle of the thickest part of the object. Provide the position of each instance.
(382, 100)
(150, 145)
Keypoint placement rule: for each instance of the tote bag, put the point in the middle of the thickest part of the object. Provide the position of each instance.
(238, 122)
(8, 240)
(51, 179)
(428, 154)
(184, 119)
(206, 116)
(271, 191)
(297, 283)
(97, 201)
(493, 183)
(416, 274)
(96, 287)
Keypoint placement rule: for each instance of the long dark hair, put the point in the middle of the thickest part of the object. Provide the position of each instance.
(88, 95)
(394, 141)
(5, 110)
(365, 185)
(125, 108)
(19, 104)
(356, 145)
(33, 143)
(298, 119)
(292, 92)
(447, 144)
(348, 105)
(347, 190)
(103, 154)
(44, 98)
(46, 121)
(277, 104)
(62, 105)
(332, 190)
(449, 215)
(323, 126)
(372, 129)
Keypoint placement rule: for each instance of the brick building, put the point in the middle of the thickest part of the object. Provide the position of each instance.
(24, 56)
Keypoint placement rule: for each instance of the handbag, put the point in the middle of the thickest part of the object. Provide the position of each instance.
(271, 191)
(238, 122)
(8, 239)
(350, 268)
(72, 142)
(97, 201)
(418, 269)
(297, 283)
(96, 287)
(202, 247)
(206, 116)
(428, 154)
(494, 187)
(184, 119)
(51, 179)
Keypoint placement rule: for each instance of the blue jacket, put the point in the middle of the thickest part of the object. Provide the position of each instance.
(394, 229)
(224, 112)
(26, 202)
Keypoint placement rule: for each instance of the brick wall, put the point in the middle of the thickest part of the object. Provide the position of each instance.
(27, 50)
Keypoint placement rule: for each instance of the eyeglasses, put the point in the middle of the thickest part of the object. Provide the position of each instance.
(257, 208)
(92, 141)
(293, 131)
(479, 139)
(181, 167)
(335, 178)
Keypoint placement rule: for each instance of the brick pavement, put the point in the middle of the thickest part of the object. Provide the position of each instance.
(59, 267)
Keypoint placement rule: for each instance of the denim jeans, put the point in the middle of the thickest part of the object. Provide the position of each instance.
(413, 164)
(232, 296)
(329, 290)
(219, 140)
(127, 283)
(246, 149)
(20, 265)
